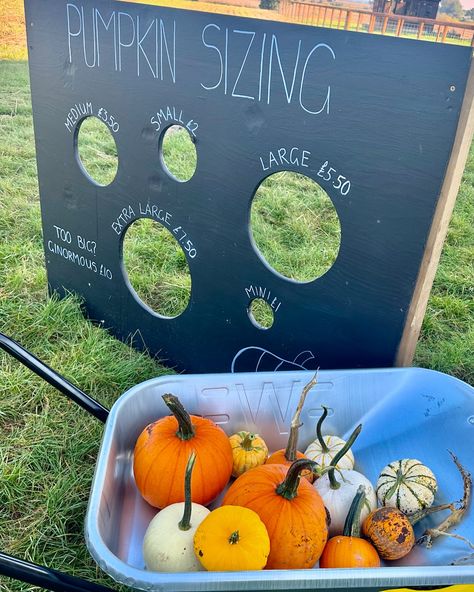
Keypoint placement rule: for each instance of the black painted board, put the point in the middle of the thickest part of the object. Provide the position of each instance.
(381, 111)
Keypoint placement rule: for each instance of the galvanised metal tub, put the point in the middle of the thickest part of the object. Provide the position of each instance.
(406, 413)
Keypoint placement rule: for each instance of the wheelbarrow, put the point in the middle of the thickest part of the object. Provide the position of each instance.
(403, 412)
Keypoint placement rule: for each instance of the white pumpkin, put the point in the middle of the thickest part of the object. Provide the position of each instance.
(169, 539)
(324, 448)
(338, 501)
(168, 548)
(324, 458)
(406, 484)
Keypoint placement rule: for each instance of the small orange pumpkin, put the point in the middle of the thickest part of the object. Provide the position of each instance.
(286, 456)
(162, 451)
(348, 549)
(290, 508)
(390, 531)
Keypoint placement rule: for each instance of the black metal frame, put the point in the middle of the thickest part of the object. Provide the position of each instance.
(16, 568)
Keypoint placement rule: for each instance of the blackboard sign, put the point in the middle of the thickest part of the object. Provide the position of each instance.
(382, 112)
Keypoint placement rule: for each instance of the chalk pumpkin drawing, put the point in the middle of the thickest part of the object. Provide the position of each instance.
(258, 359)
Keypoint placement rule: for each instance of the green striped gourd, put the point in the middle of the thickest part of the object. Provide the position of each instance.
(406, 484)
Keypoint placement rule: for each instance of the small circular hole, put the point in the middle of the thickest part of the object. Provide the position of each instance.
(156, 267)
(295, 226)
(97, 151)
(261, 313)
(178, 153)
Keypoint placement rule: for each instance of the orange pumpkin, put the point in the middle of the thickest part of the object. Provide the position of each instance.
(286, 456)
(290, 508)
(390, 531)
(162, 451)
(348, 549)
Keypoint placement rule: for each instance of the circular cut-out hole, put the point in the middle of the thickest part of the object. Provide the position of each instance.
(178, 153)
(261, 313)
(295, 226)
(156, 267)
(97, 150)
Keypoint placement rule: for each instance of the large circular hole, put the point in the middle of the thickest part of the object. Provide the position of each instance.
(295, 226)
(156, 267)
(260, 313)
(178, 153)
(97, 150)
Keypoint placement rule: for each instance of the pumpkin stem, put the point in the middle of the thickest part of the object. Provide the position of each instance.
(185, 523)
(352, 438)
(185, 426)
(247, 440)
(322, 443)
(289, 487)
(290, 451)
(234, 538)
(352, 523)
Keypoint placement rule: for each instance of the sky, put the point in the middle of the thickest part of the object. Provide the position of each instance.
(466, 4)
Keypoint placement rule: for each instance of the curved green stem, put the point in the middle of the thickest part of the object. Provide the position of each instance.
(352, 438)
(185, 426)
(322, 443)
(352, 523)
(185, 523)
(289, 487)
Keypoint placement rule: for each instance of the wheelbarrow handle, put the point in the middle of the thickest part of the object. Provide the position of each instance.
(46, 578)
(55, 379)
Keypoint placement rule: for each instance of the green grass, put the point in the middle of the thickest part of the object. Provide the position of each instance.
(47, 446)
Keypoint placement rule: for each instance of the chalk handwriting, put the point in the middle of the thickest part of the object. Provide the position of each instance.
(173, 115)
(149, 47)
(156, 212)
(68, 254)
(234, 69)
(286, 156)
(78, 111)
(263, 293)
(240, 63)
(108, 119)
(126, 215)
(341, 183)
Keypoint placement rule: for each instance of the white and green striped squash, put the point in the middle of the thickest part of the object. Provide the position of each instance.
(406, 484)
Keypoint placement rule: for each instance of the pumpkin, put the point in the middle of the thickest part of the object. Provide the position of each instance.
(162, 451)
(286, 456)
(390, 531)
(338, 495)
(348, 549)
(406, 484)
(324, 448)
(292, 511)
(168, 541)
(232, 539)
(248, 451)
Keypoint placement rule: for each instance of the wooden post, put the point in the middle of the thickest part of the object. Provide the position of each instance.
(348, 20)
(421, 28)
(445, 34)
(384, 26)
(371, 24)
(439, 226)
(399, 27)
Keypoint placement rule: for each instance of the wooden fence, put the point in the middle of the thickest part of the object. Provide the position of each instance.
(336, 17)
